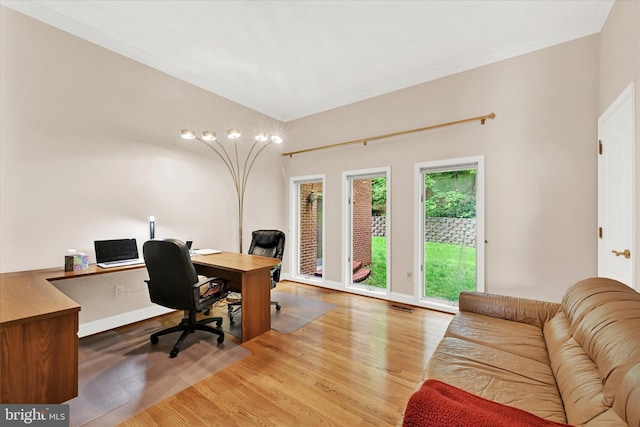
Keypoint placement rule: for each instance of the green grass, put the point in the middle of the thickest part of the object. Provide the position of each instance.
(378, 266)
(449, 269)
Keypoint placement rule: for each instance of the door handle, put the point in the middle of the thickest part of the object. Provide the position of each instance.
(626, 253)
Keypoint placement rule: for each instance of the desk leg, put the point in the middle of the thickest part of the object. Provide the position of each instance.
(256, 303)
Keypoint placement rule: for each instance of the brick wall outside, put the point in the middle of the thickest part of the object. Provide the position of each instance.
(362, 220)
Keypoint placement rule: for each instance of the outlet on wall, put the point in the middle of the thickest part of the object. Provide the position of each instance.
(119, 291)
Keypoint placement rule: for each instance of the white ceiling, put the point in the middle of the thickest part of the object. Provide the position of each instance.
(290, 59)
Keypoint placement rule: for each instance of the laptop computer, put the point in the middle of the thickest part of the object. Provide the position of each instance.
(117, 253)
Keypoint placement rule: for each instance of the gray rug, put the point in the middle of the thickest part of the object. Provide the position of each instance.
(121, 374)
(296, 312)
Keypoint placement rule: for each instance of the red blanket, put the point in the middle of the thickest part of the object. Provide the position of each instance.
(440, 405)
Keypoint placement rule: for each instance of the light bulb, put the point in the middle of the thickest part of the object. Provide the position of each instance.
(233, 133)
(208, 135)
(187, 134)
(276, 139)
(262, 136)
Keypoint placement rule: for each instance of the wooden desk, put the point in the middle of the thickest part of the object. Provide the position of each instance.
(39, 336)
(249, 274)
(39, 339)
(39, 323)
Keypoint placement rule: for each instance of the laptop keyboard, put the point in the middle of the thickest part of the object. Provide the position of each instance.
(121, 263)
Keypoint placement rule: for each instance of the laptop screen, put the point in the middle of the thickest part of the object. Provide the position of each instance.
(115, 250)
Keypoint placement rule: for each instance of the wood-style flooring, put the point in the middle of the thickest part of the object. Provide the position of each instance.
(355, 366)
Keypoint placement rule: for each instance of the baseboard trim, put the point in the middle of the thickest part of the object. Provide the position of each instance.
(101, 325)
(392, 296)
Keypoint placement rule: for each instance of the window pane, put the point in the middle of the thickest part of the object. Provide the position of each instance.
(450, 234)
(310, 262)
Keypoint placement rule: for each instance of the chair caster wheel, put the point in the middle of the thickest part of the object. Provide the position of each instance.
(232, 320)
(173, 353)
(278, 307)
(220, 339)
(218, 323)
(154, 340)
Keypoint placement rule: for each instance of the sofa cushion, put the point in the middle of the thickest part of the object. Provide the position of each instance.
(577, 376)
(518, 338)
(507, 307)
(498, 375)
(604, 318)
(629, 408)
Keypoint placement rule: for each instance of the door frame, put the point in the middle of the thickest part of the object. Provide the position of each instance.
(476, 162)
(294, 226)
(347, 235)
(626, 99)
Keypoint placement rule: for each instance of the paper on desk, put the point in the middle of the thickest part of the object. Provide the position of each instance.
(206, 251)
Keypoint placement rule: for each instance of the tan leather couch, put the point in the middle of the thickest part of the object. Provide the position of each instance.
(577, 362)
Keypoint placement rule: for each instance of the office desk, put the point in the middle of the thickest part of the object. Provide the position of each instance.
(39, 323)
(249, 274)
(39, 339)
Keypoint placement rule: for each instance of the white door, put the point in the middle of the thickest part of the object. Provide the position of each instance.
(616, 190)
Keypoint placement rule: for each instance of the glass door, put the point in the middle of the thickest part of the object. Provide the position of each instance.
(308, 208)
(368, 230)
(452, 240)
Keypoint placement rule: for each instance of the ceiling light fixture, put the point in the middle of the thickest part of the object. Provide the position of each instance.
(239, 172)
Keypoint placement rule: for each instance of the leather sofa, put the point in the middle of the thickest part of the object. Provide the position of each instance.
(577, 362)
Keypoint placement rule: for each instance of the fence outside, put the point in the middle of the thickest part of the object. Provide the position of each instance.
(455, 231)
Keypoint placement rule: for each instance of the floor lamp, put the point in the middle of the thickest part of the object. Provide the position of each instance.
(239, 173)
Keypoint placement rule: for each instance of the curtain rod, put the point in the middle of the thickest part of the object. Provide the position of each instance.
(364, 141)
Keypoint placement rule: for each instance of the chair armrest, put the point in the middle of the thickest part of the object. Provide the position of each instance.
(532, 312)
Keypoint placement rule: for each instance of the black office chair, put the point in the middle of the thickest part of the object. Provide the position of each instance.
(268, 243)
(173, 282)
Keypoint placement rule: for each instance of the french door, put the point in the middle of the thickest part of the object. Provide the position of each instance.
(367, 230)
(450, 224)
(307, 203)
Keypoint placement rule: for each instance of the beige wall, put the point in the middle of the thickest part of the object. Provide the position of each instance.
(90, 148)
(540, 160)
(75, 117)
(619, 65)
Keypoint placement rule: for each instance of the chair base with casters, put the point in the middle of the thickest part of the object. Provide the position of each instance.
(234, 308)
(189, 326)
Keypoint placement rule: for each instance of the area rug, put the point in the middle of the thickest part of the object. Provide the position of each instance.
(296, 312)
(121, 374)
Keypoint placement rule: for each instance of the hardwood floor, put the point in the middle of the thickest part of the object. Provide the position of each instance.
(355, 366)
